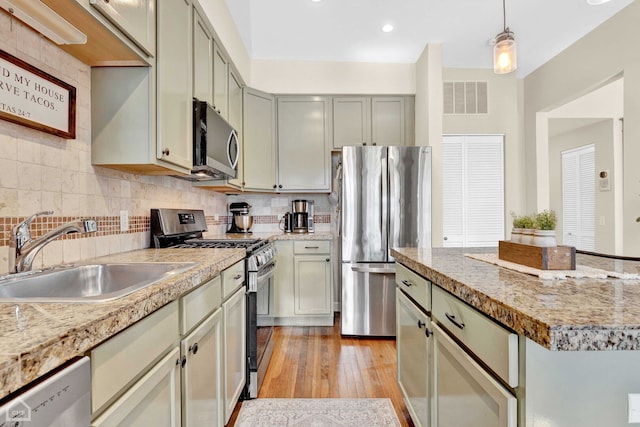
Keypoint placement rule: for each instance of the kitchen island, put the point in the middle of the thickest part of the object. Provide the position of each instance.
(575, 356)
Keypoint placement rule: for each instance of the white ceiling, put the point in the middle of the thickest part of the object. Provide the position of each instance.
(349, 30)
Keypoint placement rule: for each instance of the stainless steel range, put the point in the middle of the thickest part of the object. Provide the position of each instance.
(183, 228)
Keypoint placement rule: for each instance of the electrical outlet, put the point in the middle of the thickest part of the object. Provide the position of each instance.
(124, 220)
(634, 408)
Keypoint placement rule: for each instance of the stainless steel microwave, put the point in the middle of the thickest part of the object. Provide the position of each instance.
(215, 143)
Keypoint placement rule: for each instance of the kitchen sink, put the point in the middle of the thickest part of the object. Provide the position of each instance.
(85, 282)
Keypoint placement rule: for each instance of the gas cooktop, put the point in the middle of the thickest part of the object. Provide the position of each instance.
(249, 244)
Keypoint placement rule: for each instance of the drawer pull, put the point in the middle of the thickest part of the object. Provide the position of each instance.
(237, 276)
(312, 247)
(421, 324)
(407, 283)
(453, 320)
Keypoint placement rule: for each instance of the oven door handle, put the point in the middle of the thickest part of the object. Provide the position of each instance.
(255, 277)
(271, 270)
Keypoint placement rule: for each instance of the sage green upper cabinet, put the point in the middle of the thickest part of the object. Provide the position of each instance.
(202, 59)
(220, 82)
(134, 18)
(259, 140)
(304, 152)
(372, 120)
(173, 69)
(387, 121)
(351, 121)
(235, 119)
(141, 117)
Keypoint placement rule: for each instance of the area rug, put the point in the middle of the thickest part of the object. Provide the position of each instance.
(317, 412)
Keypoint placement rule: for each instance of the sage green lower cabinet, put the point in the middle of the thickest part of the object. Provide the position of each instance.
(168, 369)
(154, 400)
(235, 354)
(303, 290)
(132, 371)
(414, 346)
(201, 355)
(202, 374)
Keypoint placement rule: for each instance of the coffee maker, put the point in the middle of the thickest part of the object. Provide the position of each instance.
(241, 221)
(302, 212)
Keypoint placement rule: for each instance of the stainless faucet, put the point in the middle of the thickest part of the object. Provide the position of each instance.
(23, 249)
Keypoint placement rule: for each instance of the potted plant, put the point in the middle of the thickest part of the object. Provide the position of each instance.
(528, 224)
(516, 230)
(545, 229)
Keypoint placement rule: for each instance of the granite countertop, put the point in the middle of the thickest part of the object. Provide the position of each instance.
(567, 314)
(39, 337)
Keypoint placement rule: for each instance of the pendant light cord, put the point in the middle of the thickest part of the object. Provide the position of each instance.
(504, 15)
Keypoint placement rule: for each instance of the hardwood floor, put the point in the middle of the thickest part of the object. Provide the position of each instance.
(317, 362)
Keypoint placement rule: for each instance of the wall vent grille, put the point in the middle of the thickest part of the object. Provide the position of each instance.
(465, 97)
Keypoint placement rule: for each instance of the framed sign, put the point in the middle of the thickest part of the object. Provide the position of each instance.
(33, 98)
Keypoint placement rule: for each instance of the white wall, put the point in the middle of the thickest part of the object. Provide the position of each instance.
(606, 52)
(585, 132)
(504, 117)
(309, 77)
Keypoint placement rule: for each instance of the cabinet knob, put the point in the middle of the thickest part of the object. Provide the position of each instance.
(280, 186)
(183, 361)
(364, 143)
(328, 259)
(373, 143)
(194, 348)
(166, 152)
(420, 324)
(427, 332)
(275, 186)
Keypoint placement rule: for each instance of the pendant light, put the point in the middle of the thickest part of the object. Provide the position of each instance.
(505, 59)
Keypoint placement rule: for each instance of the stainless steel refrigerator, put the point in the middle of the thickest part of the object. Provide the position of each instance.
(386, 202)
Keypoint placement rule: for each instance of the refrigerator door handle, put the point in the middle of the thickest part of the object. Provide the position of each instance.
(384, 202)
(374, 270)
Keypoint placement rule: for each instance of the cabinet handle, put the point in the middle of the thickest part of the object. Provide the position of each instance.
(420, 323)
(364, 143)
(275, 186)
(327, 259)
(166, 152)
(182, 361)
(373, 143)
(237, 276)
(280, 186)
(427, 332)
(194, 348)
(312, 247)
(407, 283)
(453, 320)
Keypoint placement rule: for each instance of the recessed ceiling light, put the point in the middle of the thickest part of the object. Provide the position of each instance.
(387, 28)
(316, 1)
(597, 2)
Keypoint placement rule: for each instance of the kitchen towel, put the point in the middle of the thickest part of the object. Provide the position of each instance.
(581, 271)
(317, 412)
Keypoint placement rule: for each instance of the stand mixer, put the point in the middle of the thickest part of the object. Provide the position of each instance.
(241, 221)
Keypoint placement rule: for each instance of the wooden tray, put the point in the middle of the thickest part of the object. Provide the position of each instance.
(549, 258)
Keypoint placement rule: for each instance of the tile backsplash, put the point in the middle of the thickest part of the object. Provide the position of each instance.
(41, 172)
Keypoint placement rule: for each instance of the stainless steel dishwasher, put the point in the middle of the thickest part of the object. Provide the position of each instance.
(61, 399)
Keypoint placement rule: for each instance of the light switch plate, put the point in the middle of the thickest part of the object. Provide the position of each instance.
(634, 408)
(124, 220)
